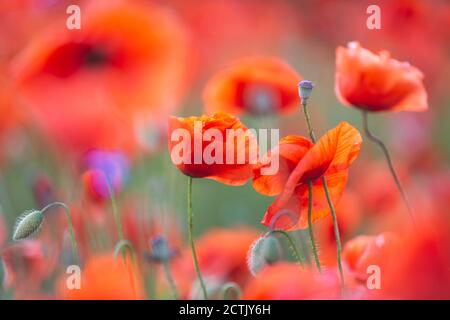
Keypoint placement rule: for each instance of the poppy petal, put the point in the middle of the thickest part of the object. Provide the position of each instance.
(290, 151)
(330, 156)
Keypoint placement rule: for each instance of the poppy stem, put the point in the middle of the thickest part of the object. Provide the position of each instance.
(296, 254)
(115, 211)
(375, 139)
(336, 231)
(330, 203)
(170, 280)
(191, 238)
(308, 122)
(73, 240)
(116, 215)
(310, 227)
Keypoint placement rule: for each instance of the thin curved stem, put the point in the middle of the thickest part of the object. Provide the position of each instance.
(374, 138)
(71, 229)
(116, 214)
(122, 245)
(297, 255)
(330, 203)
(170, 280)
(310, 227)
(191, 238)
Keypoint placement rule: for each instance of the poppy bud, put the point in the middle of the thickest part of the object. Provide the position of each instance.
(271, 250)
(304, 89)
(265, 250)
(160, 250)
(28, 224)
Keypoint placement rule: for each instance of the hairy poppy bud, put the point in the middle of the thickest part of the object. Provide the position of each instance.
(265, 250)
(304, 89)
(28, 224)
(271, 250)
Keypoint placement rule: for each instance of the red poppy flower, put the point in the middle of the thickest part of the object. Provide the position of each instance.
(259, 85)
(377, 82)
(420, 267)
(87, 87)
(106, 278)
(301, 162)
(285, 281)
(227, 156)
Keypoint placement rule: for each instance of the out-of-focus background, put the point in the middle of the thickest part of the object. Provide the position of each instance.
(61, 107)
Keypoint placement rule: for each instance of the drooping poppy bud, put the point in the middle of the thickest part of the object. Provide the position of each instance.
(28, 224)
(264, 251)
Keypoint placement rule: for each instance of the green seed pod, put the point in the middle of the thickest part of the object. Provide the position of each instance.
(28, 224)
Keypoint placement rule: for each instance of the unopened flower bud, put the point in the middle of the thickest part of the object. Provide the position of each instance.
(304, 89)
(265, 250)
(271, 250)
(28, 224)
(160, 250)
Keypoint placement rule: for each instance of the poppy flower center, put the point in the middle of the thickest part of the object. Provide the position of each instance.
(259, 98)
(95, 57)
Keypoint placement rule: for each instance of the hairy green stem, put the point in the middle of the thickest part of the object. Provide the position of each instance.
(336, 231)
(310, 227)
(297, 255)
(191, 237)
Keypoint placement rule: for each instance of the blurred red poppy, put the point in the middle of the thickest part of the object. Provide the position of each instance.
(222, 256)
(301, 162)
(3, 230)
(26, 266)
(258, 85)
(105, 277)
(140, 228)
(285, 281)
(420, 267)
(11, 116)
(87, 87)
(377, 82)
(364, 251)
(232, 148)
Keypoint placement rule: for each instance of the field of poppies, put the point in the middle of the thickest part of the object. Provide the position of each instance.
(232, 149)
